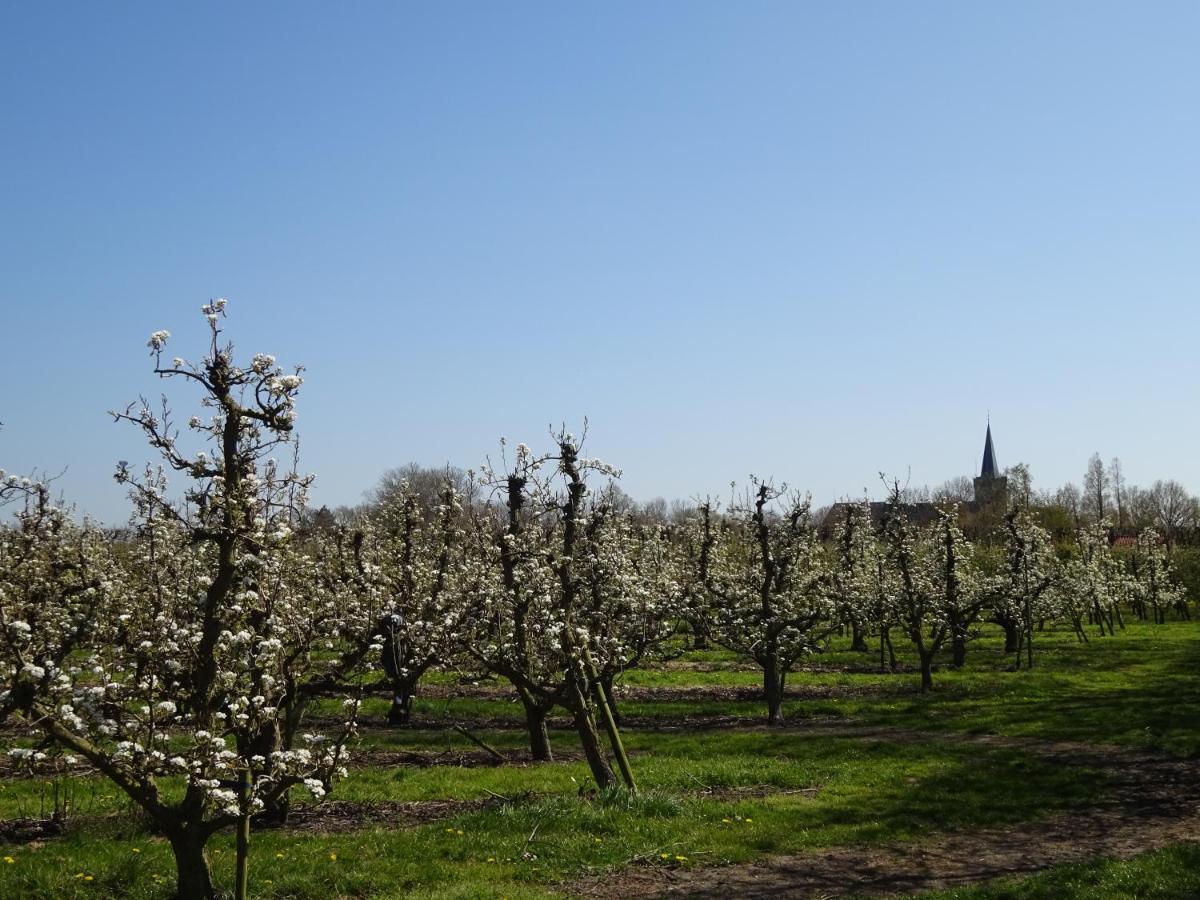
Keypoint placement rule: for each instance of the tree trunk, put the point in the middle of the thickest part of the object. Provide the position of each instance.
(926, 671)
(958, 646)
(276, 811)
(1012, 634)
(267, 741)
(773, 690)
(400, 713)
(589, 738)
(859, 642)
(191, 866)
(539, 737)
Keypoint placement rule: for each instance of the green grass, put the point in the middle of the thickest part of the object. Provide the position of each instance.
(863, 793)
(781, 790)
(1169, 874)
(1130, 689)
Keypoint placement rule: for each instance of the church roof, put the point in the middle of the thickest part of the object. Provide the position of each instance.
(989, 456)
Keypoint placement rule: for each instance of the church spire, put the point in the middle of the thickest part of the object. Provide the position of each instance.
(989, 455)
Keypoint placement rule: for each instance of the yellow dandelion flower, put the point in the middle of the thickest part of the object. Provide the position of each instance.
(9, 860)
(333, 857)
(80, 875)
(749, 819)
(459, 831)
(135, 849)
(267, 881)
(664, 856)
(87, 877)
(279, 856)
(727, 821)
(681, 858)
(491, 859)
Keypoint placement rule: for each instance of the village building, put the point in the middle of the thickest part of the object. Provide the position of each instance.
(982, 513)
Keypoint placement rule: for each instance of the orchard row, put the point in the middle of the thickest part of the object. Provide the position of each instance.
(179, 657)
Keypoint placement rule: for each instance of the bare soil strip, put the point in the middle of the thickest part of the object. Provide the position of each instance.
(348, 815)
(657, 693)
(1152, 801)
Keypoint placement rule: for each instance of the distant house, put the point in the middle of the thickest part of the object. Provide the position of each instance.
(989, 505)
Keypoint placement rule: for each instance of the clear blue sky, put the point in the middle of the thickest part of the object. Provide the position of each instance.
(817, 240)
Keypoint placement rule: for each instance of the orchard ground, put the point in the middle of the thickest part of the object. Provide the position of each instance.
(1080, 778)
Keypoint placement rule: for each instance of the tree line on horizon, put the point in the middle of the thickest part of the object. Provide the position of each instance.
(1103, 495)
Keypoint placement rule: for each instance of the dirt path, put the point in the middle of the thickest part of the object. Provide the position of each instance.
(1151, 801)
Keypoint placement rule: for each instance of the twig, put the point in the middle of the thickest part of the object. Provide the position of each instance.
(529, 840)
(495, 754)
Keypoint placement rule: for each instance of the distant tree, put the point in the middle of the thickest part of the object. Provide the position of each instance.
(1097, 488)
(1116, 477)
(852, 573)
(426, 483)
(416, 559)
(681, 511)
(633, 597)
(960, 489)
(656, 511)
(1020, 485)
(914, 494)
(1030, 573)
(768, 600)
(317, 520)
(1172, 507)
(1095, 582)
(617, 500)
(1139, 507)
(1070, 499)
(1157, 589)
(937, 596)
(694, 538)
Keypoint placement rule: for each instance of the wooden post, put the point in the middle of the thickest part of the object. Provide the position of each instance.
(242, 876)
(610, 724)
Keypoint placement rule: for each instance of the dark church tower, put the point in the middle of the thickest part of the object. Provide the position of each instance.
(991, 489)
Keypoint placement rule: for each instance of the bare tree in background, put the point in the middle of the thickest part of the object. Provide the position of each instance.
(427, 483)
(1020, 485)
(1116, 477)
(1068, 497)
(954, 490)
(1096, 485)
(1139, 507)
(1171, 507)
